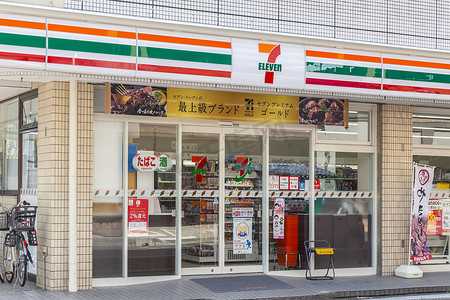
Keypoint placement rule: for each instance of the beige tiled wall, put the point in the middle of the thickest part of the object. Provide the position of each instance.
(396, 184)
(53, 153)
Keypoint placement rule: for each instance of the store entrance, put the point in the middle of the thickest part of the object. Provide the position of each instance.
(221, 200)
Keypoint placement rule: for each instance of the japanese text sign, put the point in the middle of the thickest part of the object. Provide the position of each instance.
(152, 162)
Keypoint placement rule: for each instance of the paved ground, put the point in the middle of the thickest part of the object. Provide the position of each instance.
(363, 287)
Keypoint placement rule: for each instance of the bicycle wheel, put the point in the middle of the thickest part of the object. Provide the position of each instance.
(22, 261)
(2, 275)
(8, 263)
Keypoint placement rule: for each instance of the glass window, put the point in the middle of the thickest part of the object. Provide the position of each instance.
(200, 181)
(431, 129)
(9, 144)
(29, 111)
(289, 175)
(29, 160)
(151, 205)
(358, 129)
(108, 199)
(343, 207)
(438, 207)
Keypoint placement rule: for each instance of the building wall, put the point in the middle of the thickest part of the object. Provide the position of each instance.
(422, 23)
(396, 183)
(53, 153)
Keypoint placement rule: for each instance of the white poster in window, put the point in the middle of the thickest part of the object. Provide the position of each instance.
(284, 182)
(294, 183)
(242, 230)
(278, 218)
(274, 182)
(445, 216)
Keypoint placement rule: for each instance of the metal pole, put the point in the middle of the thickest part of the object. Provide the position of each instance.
(73, 185)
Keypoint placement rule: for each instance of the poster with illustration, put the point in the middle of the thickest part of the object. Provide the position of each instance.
(138, 216)
(423, 179)
(278, 218)
(242, 230)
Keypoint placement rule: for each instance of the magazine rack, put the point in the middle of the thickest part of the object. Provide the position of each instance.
(322, 248)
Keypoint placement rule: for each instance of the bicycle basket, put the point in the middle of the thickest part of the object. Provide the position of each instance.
(4, 224)
(23, 217)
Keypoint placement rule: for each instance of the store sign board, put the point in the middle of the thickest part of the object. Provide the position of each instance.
(423, 179)
(277, 65)
(138, 216)
(278, 218)
(242, 230)
(152, 162)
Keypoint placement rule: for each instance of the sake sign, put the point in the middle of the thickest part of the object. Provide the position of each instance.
(152, 162)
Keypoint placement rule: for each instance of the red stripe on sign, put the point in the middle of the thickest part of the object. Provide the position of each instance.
(187, 71)
(351, 84)
(415, 89)
(104, 64)
(90, 63)
(60, 60)
(22, 57)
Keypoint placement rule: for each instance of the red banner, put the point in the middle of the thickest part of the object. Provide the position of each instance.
(434, 226)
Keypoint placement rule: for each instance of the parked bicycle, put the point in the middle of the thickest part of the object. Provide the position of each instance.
(19, 219)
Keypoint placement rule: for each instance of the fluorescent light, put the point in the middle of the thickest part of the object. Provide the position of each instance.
(337, 132)
(434, 128)
(431, 117)
(433, 137)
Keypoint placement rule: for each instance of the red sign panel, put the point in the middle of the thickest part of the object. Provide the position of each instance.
(138, 216)
(434, 226)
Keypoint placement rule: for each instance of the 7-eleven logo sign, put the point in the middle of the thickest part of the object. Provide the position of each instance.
(270, 67)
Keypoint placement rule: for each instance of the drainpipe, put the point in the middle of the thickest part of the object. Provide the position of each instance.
(73, 186)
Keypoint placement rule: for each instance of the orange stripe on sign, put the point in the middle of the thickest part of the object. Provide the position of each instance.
(414, 63)
(343, 56)
(22, 24)
(181, 40)
(265, 48)
(91, 31)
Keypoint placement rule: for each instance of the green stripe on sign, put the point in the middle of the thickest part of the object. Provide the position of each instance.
(22, 40)
(92, 47)
(183, 55)
(315, 67)
(416, 76)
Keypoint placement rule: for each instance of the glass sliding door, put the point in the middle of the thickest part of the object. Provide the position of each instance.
(288, 204)
(151, 199)
(243, 200)
(200, 199)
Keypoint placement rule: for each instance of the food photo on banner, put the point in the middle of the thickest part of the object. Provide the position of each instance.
(323, 111)
(126, 99)
(423, 179)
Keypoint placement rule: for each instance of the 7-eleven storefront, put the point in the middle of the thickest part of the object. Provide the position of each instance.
(194, 152)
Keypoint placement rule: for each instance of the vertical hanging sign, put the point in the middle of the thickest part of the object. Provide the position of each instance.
(278, 218)
(242, 230)
(423, 179)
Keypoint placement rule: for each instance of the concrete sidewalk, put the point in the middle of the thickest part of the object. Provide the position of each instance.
(185, 288)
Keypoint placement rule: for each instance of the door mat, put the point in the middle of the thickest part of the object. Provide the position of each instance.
(231, 284)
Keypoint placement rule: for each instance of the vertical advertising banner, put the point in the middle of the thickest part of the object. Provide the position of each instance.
(446, 216)
(434, 226)
(138, 216)
(278, 218)
(423, 179)
(242, 230)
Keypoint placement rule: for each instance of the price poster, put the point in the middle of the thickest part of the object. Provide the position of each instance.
(446, 216)
(284, 183)
(294, 183)
(278, 218)
(138, 216)
(434, 225)
(242, 230)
